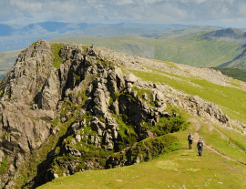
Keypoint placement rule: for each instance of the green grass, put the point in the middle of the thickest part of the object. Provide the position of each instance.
(167, 125)
(231, 100)
(141, 91)
(236, 138)
(233, 72)
(1, 92)
(174, 169)
(4, 166)
(76, 76)
(169, 64)
(106, 63)
(127, 139)
(225, 146)
(147, 149)
(55, 48)
(192, 50)
(55, 122)
(84, 47)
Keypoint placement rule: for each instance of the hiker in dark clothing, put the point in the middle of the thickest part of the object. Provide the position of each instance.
(200, 146)
(190, 140)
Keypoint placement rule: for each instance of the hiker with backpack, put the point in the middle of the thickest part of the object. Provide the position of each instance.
(190, 140)
(200, 146)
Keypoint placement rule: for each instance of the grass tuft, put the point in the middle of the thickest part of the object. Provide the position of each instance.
(55, 48)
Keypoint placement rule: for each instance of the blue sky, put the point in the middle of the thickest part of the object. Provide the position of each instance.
(228, 13)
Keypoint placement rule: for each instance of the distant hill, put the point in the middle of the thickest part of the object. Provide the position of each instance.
(14, 37)
(195, 46)
(235, 73)
(48, 27)
(238, 61)
(40, 28)
(191, 49)
(190, 45)
(7, 60)
(227, 33)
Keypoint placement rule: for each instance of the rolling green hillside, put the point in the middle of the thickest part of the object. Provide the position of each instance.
(238, 61)
(233, 72)
(231, 100)
(7, 60)
(192, 50)
(221, 166)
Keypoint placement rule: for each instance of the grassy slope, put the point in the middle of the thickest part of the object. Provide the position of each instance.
(239, 61)
(231, 100)
(192, 50)
(233, 72)
(224, 145)
(182, 167)
(176, 169)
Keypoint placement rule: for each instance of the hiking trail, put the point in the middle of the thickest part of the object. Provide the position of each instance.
(206, 146)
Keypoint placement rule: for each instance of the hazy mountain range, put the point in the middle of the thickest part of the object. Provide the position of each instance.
(192, 45)
(17, 37)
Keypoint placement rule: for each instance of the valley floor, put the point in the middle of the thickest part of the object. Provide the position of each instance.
(182, 168)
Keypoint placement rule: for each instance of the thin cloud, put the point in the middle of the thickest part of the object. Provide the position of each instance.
(104, 11)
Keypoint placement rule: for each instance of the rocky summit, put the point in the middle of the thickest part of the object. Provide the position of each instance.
(70, 108)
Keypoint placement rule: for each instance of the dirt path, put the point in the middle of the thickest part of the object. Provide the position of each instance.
(206, 146)
(211, 127)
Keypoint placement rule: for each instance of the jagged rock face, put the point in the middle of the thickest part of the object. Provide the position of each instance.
(34, 91)
(103, 110)
(49, 93)
(28, 75)
(24, 121)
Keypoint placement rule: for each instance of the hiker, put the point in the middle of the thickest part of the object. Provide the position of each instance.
(190, 140)
(200, 146)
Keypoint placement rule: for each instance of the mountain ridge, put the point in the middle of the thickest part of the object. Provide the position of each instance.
(192, 49)
(82, 107)
(227, 33)
(21, 36)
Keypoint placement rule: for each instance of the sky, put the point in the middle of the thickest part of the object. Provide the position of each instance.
(227, 13)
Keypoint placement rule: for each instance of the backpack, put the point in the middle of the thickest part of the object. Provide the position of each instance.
(200, 144)
(190, 138)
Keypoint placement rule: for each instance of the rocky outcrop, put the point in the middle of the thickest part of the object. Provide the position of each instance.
(79, 103)
(24, 122)
(203, 108)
